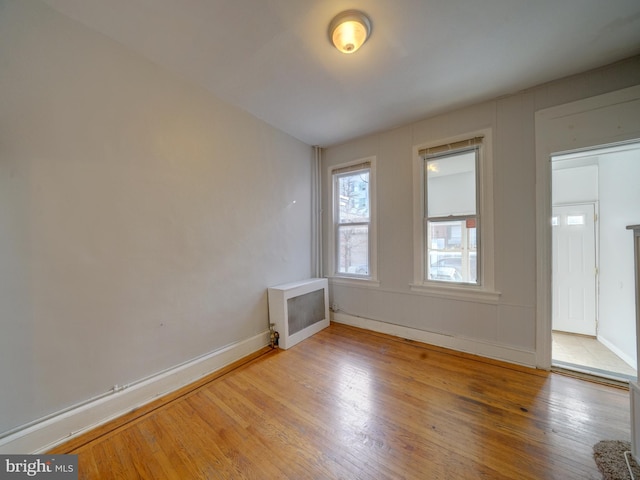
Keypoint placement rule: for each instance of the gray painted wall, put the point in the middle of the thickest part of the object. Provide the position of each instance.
(141, 219)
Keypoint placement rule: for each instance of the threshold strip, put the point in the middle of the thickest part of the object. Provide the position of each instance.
(592, 374)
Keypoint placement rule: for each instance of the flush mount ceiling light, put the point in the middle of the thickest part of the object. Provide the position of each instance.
(349, 30)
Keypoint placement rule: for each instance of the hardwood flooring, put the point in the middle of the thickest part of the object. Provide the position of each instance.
(352, 404)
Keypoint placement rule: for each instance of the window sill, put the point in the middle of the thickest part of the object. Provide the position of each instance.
(354, 282)
(457, 292)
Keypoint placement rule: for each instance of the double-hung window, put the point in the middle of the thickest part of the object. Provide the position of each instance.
(353, 246)
(452, 220)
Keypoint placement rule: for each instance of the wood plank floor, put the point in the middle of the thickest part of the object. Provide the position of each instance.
(351, 404)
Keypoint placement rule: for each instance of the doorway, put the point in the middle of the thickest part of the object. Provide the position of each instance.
(608, 119)
(593, 328)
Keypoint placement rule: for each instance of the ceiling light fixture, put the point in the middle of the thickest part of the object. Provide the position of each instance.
(349, 30)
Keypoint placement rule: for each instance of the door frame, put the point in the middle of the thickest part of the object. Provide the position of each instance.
(556, 133)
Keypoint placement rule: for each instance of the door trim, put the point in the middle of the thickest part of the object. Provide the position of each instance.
(555, 134)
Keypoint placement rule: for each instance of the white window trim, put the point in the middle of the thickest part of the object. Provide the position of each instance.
(484, 292)
(344, 279)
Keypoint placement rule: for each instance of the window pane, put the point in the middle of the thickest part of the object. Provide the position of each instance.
(575, 219)
(353, 249)
(452, 251)
(353, 197)
(451, 185)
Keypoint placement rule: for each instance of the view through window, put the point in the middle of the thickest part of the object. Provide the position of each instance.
(352, 219)
(451, 216)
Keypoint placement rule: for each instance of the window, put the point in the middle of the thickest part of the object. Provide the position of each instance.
(575, 219)
(353, 249)
(453, 218)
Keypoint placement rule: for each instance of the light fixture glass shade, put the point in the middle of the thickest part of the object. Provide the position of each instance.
(349, 30)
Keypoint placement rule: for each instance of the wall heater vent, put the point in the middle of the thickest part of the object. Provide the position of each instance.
(299, 309)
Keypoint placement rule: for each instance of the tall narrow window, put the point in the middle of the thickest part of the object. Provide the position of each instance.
(451, 212)
(352, 219)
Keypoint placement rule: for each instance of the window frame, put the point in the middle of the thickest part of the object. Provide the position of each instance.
(352, 278)
(484, 291)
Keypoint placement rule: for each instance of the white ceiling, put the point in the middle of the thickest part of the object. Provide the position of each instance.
(273, 57)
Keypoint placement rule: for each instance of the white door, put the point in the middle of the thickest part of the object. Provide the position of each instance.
(574, 269)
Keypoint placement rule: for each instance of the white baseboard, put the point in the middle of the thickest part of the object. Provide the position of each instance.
(475, 347)
(627, 359)
(59, 428)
